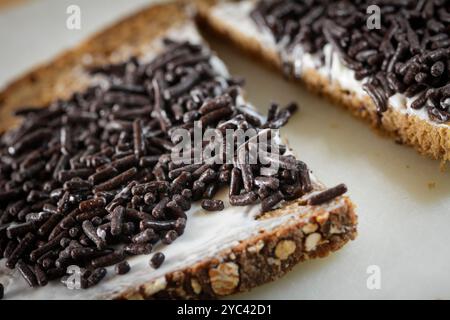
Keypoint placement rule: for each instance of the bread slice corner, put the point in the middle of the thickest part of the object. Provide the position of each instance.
(428, 139)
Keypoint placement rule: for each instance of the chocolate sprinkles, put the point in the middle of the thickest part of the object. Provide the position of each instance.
(327, 195)
(409, 54)
(96, 182)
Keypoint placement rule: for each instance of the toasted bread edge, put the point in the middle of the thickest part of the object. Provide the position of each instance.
(259, 259)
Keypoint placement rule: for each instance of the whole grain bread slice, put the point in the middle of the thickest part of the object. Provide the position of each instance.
(427, 138)
(243, 251)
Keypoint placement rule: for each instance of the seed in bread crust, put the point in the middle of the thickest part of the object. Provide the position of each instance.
(309, 228)
(196, 287)
(284, 249)
(154, 286)
(256, 248)
(312, 240)
(224, 278)
(322, 218)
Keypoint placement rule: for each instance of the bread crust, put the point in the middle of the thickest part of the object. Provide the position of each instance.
(259, 259)
(427, 139)
(256, 260)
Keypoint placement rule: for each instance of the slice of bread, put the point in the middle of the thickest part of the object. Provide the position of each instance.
(220, 253)
(231, 20)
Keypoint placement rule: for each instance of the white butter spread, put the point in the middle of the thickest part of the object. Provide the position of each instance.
(206, 234)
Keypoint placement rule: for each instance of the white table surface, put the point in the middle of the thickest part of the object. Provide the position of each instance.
(403, 198)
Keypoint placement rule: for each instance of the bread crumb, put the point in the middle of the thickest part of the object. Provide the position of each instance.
(431, 185)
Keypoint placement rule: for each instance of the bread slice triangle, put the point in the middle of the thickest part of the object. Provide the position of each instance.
(220, 253)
